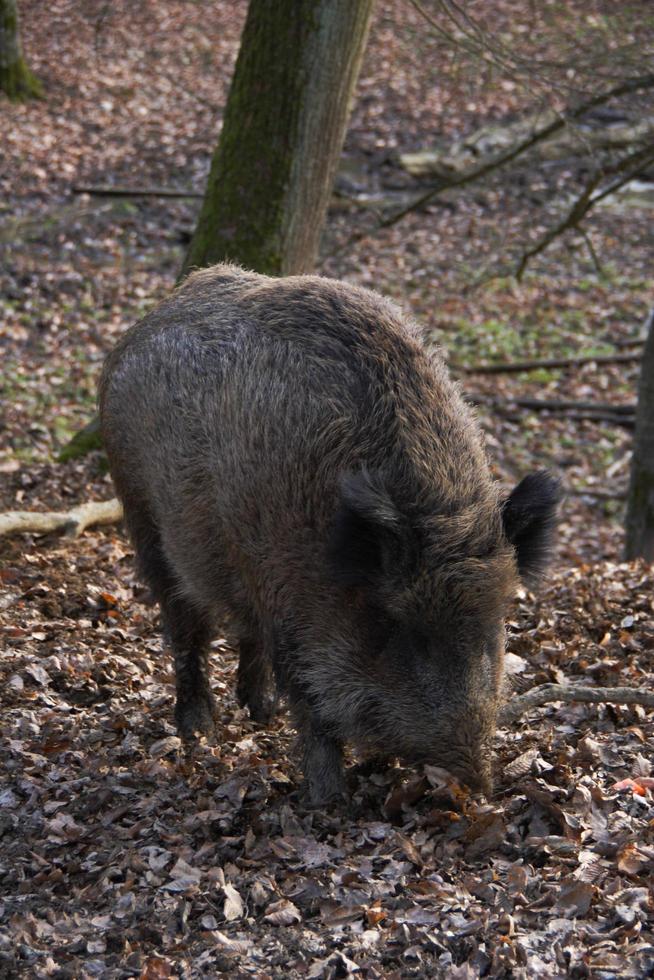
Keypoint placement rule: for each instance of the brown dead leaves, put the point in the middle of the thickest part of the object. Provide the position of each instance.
(120, 853)
(154, 857)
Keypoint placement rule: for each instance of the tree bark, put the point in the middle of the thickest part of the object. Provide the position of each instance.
(16, 80)
(283, 130)
(640, 500)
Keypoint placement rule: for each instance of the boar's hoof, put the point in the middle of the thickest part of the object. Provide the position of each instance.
(262, 709)
(320, 796)
(261, 702)
(340, 802)
(197, 716)
(323, 770)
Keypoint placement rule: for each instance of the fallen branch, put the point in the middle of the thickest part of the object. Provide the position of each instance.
(72, 522)
(544, 405)
(513, 367)
(109, 191)
(547, 693)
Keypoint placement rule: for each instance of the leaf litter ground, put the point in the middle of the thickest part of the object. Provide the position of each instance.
(122, 854)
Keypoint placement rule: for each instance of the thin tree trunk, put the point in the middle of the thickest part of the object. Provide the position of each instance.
(282, 135)
(16, 80)
(640, 500)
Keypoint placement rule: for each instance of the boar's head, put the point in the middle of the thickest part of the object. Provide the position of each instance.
(431, 591)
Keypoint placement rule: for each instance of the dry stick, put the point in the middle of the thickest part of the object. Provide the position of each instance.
(511, 367)
(599, 268)
(109, 191)
(73, 522)
(546, 693)
(542, 405)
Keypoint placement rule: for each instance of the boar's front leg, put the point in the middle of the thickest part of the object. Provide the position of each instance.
(255, 688)
(322, 757)
(188, 631)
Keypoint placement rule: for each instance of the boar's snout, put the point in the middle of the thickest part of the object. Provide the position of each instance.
(463, 746)
(478, 779)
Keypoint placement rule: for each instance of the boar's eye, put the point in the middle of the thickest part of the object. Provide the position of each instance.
(529, 517)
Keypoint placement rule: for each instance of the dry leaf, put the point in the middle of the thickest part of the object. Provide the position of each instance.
(282, 913)
(405, 795)
(171, 744)
(484, 835)
(575, 896)
(233, 905)
(157, 968)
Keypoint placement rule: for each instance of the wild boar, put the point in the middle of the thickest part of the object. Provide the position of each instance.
(297, 468)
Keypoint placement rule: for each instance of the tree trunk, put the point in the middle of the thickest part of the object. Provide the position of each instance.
(640, 501)
(16, 80)
(285, 119)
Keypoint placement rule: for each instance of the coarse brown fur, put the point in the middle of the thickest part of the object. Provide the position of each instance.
(294, 465)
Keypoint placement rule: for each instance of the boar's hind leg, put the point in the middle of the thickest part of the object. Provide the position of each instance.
(186, 628)
(322, 757)
(189, 633)
(255, 688)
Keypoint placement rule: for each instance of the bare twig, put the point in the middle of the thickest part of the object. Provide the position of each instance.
(547, 693)
(475, 46)
(480, 39)
(514, 367)
(626, 169)
(553, 126)
(72, 522)
(599, 268)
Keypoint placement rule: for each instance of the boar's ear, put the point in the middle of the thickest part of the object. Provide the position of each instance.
(529, 517)
(367, 530)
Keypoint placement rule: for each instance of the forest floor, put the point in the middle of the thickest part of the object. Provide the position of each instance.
(121, 853)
